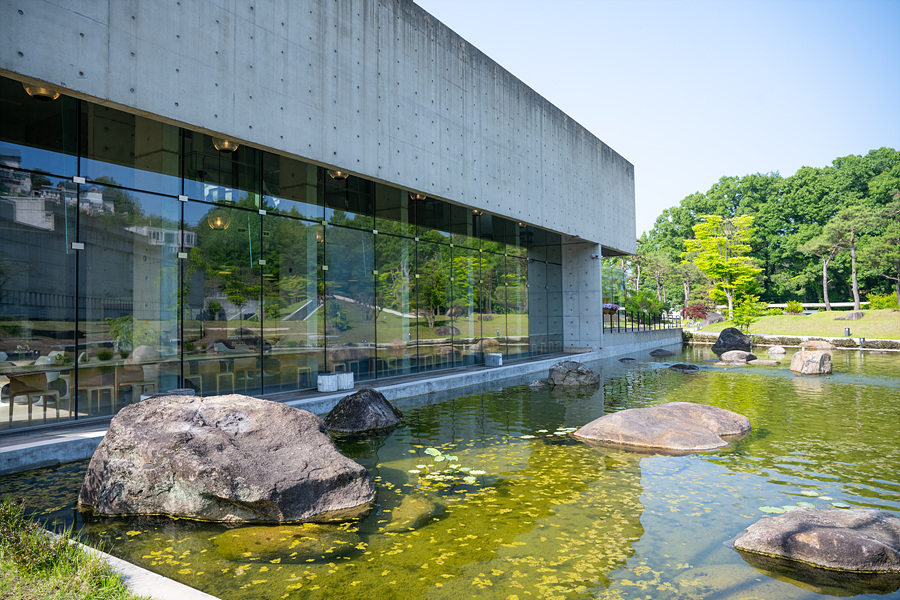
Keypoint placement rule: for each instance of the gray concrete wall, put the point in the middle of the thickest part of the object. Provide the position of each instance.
(582, 295)
(376, 87)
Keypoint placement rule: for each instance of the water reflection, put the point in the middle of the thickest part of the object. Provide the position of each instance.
(543, 515)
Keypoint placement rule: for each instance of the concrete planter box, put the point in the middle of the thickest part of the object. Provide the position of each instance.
(333, 382)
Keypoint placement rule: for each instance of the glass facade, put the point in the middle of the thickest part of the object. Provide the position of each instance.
(138, 257)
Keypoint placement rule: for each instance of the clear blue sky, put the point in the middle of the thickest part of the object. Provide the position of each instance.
(693, 90)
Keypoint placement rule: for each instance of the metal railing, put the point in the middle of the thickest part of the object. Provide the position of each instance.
(622, 320)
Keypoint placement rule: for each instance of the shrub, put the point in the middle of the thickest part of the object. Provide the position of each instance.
(105, 355)
(879, 301)
(694, 311)
(793, 307)
(774, 312)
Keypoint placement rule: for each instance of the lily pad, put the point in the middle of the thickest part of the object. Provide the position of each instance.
(840, 505)
(772, 510)
(806, 504)
(810, 493)
(432, 451)
(825, 498)
(469, 479)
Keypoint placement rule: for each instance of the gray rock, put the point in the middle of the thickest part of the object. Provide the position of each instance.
(683, 368)
(812, 362)
(364, 410)
(776, 351)
(679, 427)
(863, 540)
(817, 345)
(626, 359)
(731, 338)
(712, 317)
(223, 458)
(855, 315)
(447, 330)
(737, 356)
(571, 373)
(661, 353)
(537, 384)
(764, 363)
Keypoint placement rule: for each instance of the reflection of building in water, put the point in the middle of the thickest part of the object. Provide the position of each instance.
(374, 220)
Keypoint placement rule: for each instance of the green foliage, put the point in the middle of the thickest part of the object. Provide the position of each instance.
(213, 307)
(774, 312)
(793, 307)
(747, 312)
(104, 355)
(122, 331)
(36, 564)
(719, 252)
(644, 303)
(879, 301)
(336, 317)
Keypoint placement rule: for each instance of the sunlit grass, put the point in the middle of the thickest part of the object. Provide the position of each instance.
(876, 324)
(34, 564)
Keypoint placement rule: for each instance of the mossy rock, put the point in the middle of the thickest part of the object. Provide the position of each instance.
(414, 512)
(298, 542)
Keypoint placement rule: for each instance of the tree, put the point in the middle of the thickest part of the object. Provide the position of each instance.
(747, 312)
(882, 252)
(825, 248)
(718, 250)
(844, 231)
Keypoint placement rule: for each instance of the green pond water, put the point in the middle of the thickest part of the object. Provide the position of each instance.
(488, 496)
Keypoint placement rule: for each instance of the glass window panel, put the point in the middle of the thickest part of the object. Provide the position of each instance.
(291, 187)
(118, 148)
(222, 294)
(222, 176)
(465, 286)
(394, 211)
(492, 303)
(517, 298)
(395, 297)
(35, 134)
(433, 296)
(349, 201)
(293, 296)
(130, 297)
(37, 299)
(537, 307)
(350, 311)
(432, 218)
(462, 226)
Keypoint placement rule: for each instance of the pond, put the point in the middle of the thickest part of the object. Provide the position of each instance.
(529, 512)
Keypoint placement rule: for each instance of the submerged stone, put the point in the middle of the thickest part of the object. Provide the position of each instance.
(299, 542)
(679, 427)
(683, 368)
(223, 458)
(414, 512)
(365, 410)
(661, 353)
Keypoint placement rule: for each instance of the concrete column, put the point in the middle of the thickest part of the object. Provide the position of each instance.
(582, 295)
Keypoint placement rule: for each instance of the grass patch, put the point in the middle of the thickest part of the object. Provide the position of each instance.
(876, 324)
(35, 565)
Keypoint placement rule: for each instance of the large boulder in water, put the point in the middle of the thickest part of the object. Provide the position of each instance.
(223, 458)
(864, 540)
(571, 373)
(731, 338)
(812, 362)
(365, 410)
(678, 427)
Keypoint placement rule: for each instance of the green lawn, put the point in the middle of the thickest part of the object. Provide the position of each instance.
(876, 324)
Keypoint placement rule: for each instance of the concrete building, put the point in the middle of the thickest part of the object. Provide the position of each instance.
(242, 194)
